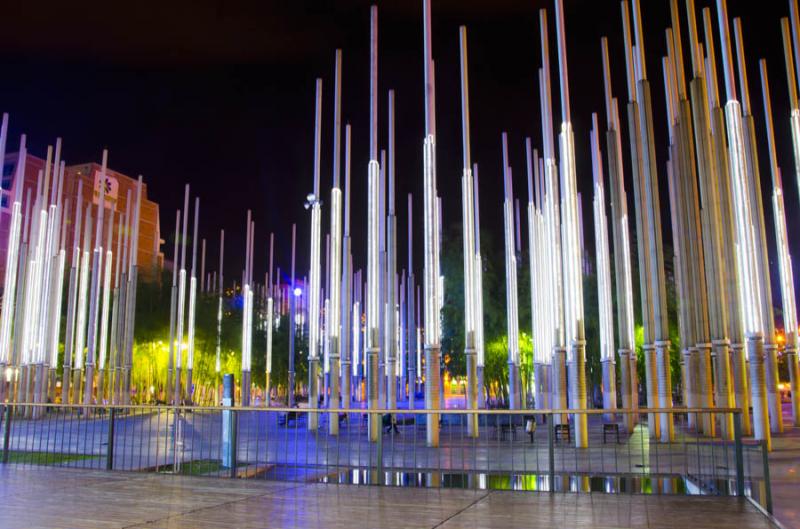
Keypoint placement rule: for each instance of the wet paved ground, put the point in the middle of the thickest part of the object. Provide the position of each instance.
(784, 468)
(33, 498)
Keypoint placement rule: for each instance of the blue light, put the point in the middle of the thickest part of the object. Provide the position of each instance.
(298, 292)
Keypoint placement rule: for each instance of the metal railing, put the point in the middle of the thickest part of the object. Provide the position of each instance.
(514, 449)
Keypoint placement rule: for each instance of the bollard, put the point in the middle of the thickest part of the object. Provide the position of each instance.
(228, 425)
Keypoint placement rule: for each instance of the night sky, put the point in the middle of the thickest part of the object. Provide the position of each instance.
(221, 95)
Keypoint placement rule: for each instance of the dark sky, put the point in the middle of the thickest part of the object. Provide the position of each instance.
(221, 95)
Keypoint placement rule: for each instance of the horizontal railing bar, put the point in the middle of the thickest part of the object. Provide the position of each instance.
(594, 411)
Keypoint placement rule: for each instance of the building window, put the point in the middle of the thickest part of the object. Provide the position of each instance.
(8, 174)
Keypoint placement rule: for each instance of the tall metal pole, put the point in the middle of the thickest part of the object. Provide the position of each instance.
(750, 288)
(373, 234)
(333, 323)
(181, 301)
(192, 307)
(761, 255)
(730, 294)
(431, 284)
(270, 321)
(72, 298)
(794, 120)
(552, 214)
(784, 259)
(95, 288)
(512, 318)
(622, 247)
(292, 327)
(391, 269)
(605, 309)
(347, 284)
(571, 247)
(411, 322)
(314, 272)
(174, 348)
(130, 301)
(468, 231)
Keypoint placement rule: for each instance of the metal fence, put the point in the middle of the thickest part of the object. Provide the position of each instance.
(519, 449)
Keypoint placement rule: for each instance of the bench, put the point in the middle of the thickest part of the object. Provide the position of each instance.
(610, 428)
(284, 419)
(563, 432)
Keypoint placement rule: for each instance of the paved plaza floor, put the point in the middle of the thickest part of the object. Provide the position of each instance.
(33, 498)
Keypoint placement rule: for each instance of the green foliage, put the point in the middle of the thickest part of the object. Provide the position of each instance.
(151, 341)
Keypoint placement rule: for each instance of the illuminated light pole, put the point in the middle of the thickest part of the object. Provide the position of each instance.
(622, 247)
(173, 378)
(220, 293)
(383, 283)
(292, 326)
(512, 318)
(760, 249)
(605, 309)
(372, 341)
(431, 230)
(571, 248)
(104, 311)
(247, 312)
(781, 236)
(539, 287)
(334, 313)
(50, 325)
(730, 293)
(192, 308)
(72, 299)
(34, 287)
(750, 287)
(181, 302)
(478, 290)
(391, 270)
(313, 202)
(468, 212)
(97, 260)
(689, 255)
(270, 310)
(712, 227)
(552, 219)
(115, 347)
(80, 322)
(347, 316)
(130, 297)
(789, 301)
(411, 322)
(648, 224)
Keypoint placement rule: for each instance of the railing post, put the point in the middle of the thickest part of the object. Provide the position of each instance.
(110, 444)
(7, 433)
(551, 454)
(767, 487)
(379, 462)
(738, 453)
(234, 441)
